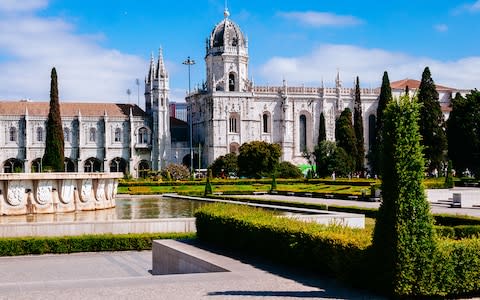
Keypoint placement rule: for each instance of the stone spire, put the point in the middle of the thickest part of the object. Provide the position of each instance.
(161, 71)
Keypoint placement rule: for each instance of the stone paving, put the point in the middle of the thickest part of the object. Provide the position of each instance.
(126, 275)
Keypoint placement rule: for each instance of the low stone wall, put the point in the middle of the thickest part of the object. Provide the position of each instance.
(97, 227)
(38, 193)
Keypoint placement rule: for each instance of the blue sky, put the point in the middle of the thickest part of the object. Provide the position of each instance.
(100, 47)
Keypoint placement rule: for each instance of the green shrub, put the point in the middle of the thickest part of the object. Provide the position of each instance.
(404, 237)
(286, 169)
(327, 249)
(83, 243)
(176, 172)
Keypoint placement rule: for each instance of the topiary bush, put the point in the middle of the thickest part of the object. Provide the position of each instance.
(404, 239)
(286, 169)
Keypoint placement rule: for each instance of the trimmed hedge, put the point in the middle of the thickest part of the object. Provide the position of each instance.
(83, 243)
(330, 250)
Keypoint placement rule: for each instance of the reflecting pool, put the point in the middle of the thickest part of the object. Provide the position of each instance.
(126, 209)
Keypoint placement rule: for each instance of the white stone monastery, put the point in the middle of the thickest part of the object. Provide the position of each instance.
(226, 112)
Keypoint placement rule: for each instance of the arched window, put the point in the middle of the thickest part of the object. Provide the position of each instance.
(93, 135)
(234, 123)
(39, 134)
(143, 136)
(266, 123)
(231, 82)
(371, 130)
(143, 168)
(66, 134)
(12, 134)
(303, 133)
(118, 135)
(92, 164)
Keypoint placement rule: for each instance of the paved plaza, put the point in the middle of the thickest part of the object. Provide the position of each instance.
(126, 275)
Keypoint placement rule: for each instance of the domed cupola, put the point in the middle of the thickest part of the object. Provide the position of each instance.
(226, 33)
(227, 57)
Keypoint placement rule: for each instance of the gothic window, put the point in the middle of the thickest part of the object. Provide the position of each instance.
(234, 123)
(118, 135)
(12, 134)
(143, 136)
(39, 134)
(231, 82)
(371, 130)
(93, 135)
(265, 123)
(66, 134)
(303, 133)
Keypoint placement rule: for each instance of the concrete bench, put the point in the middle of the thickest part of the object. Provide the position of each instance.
(471, 184)
(465, 199)
(328, 196)
(308, 194)
(260, 193)
(290, 193)
(217, 193)
(352, 197)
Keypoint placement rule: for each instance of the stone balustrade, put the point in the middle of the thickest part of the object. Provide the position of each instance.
(41, 193)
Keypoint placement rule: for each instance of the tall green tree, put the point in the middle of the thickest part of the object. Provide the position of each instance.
(329, 158)
(358, 127)
(463, 132)
(345, 135)
(432, 125)
(258, 159)
(384, 98)
(322, 132)
(53, 159)
(225, 164)
(404, 238)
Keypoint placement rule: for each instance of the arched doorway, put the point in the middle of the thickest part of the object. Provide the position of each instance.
(36, 166)
(13, 165)
(92, 165)
(69, 165)
(118, 164)
(143, 168)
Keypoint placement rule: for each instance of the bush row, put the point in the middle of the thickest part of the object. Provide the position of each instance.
(331, 250)
(452, 270)
(352, 182)
(83, 243)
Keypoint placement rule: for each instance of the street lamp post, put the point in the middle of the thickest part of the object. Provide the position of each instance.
(189, 62)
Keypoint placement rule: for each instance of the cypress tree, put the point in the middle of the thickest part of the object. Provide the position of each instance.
(384, 98)
(322, 132)
(54, 145)
(432, 125)
(358, 126)
(345, 136)
(403, 239)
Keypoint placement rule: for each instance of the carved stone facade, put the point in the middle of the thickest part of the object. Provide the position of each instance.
(230, 110)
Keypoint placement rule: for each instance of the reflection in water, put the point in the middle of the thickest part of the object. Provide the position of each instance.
(126, 209)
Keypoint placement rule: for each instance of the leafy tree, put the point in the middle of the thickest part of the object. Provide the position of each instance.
(358, 127)
(322, 131)
(226, 163)
(384, 98)
(258, 159)
(403, 239)
(54, 145)
(432, 125)
(329, 158)
(176, 172)
(463, 132)
(345, 135)
(288, 170)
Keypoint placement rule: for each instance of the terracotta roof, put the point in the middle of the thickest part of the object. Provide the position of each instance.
(69, 109)
(413, 84)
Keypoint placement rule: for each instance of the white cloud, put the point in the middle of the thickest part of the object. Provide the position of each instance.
(369, 65)
(30, 46)
(22, 5)
(441, 27)
(468, 7)
(321, 19)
